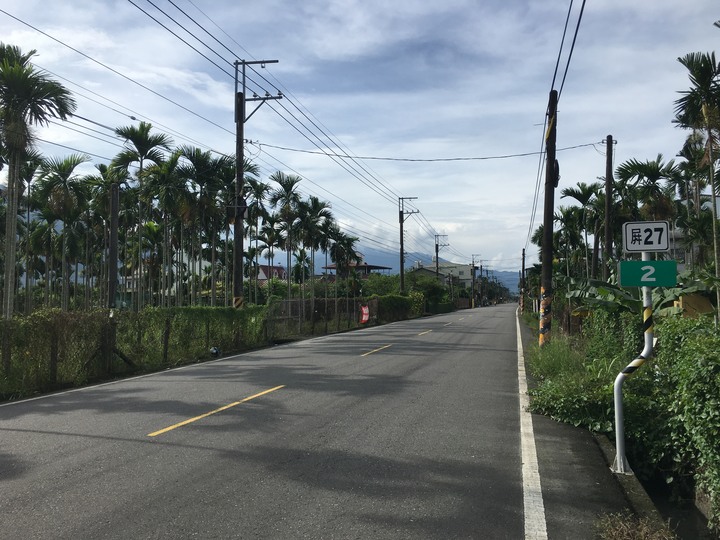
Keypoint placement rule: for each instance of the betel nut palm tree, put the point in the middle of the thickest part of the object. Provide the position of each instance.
(584, 194)
(699, 107)
(28, 97)
(140, 147)
(314, 213)
(286, 198)
(646, 178)
(258, 192)
(67, 195)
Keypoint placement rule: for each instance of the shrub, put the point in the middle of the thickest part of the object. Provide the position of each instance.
(671, 404)
(394, 307)
(688, 369)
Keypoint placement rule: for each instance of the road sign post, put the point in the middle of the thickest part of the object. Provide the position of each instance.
(640, 237)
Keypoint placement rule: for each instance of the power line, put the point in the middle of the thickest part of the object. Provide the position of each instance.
(177, 36)
(378, 186)
(370, 179)
(572, 48)
(562, 44)
(130, 79)
(430, 160)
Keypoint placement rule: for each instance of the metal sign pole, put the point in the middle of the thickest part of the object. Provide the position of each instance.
(621, 465)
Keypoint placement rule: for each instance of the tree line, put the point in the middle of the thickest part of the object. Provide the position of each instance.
(175, 246)
(682, 190)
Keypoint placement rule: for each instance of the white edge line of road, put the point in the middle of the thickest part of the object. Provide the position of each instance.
(533, 505)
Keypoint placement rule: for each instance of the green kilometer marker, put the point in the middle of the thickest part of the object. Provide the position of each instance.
(648, 273)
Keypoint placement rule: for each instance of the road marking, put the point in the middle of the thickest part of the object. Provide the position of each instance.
(223, 408)
(376, 350)
(447, 324)
(535, 525)
(425, 332)
(461, 319)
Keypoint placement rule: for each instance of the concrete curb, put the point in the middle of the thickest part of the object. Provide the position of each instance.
(637, 497)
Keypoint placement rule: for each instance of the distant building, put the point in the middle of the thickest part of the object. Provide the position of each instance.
(363, 269)
(266, 272)
(460, 274)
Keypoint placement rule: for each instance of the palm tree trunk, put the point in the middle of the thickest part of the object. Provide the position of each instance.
(257, 268)
(213, 263)
(714, 222)
(28, 296)
(327, 285)
(596, 251)
(10, 236)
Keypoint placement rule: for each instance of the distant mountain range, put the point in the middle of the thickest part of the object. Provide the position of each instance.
(382, 258)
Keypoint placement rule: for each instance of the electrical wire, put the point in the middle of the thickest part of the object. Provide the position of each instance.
(427, 160)
(572, 48)
(130, 79)
(369, 179)
(380, 187)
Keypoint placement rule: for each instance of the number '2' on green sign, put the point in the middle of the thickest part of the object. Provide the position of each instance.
(648, 273)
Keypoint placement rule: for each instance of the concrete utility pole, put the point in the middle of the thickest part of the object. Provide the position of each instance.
(438, 245)
(551, 182)
(522, 283)
(240, 205)
(113, 245)
(472, 295)
(608, 207)
(403, 213)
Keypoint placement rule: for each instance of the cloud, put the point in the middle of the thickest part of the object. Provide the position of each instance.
(402, 79)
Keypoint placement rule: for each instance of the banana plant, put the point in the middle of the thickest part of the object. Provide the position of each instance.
(593, 293)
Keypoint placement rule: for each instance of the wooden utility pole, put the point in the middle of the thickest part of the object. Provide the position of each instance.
(551, 181)
(607, 252)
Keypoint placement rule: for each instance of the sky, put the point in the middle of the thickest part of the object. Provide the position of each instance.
(404, 87)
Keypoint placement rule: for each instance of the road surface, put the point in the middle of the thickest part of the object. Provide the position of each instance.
(409, 430)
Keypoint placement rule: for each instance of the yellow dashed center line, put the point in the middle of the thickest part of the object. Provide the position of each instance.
(425, 332)
(376, 350)
(223, 408)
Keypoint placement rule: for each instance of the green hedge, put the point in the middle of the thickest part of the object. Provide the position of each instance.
(51, 349)
(671, 404)
(394, 307)
(687, 369)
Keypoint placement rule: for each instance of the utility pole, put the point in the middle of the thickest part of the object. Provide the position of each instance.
(522, 283)
(403, 213)
(113, 246)
(608, 207)
(240, 205)
(551, 182)
(472, 296)
(438, 245)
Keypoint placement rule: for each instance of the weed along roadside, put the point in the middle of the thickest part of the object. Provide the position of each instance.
(672, 409)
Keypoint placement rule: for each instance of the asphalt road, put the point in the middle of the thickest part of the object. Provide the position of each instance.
(410, 430)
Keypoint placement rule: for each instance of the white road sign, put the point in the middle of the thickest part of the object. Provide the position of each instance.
(639, 236)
